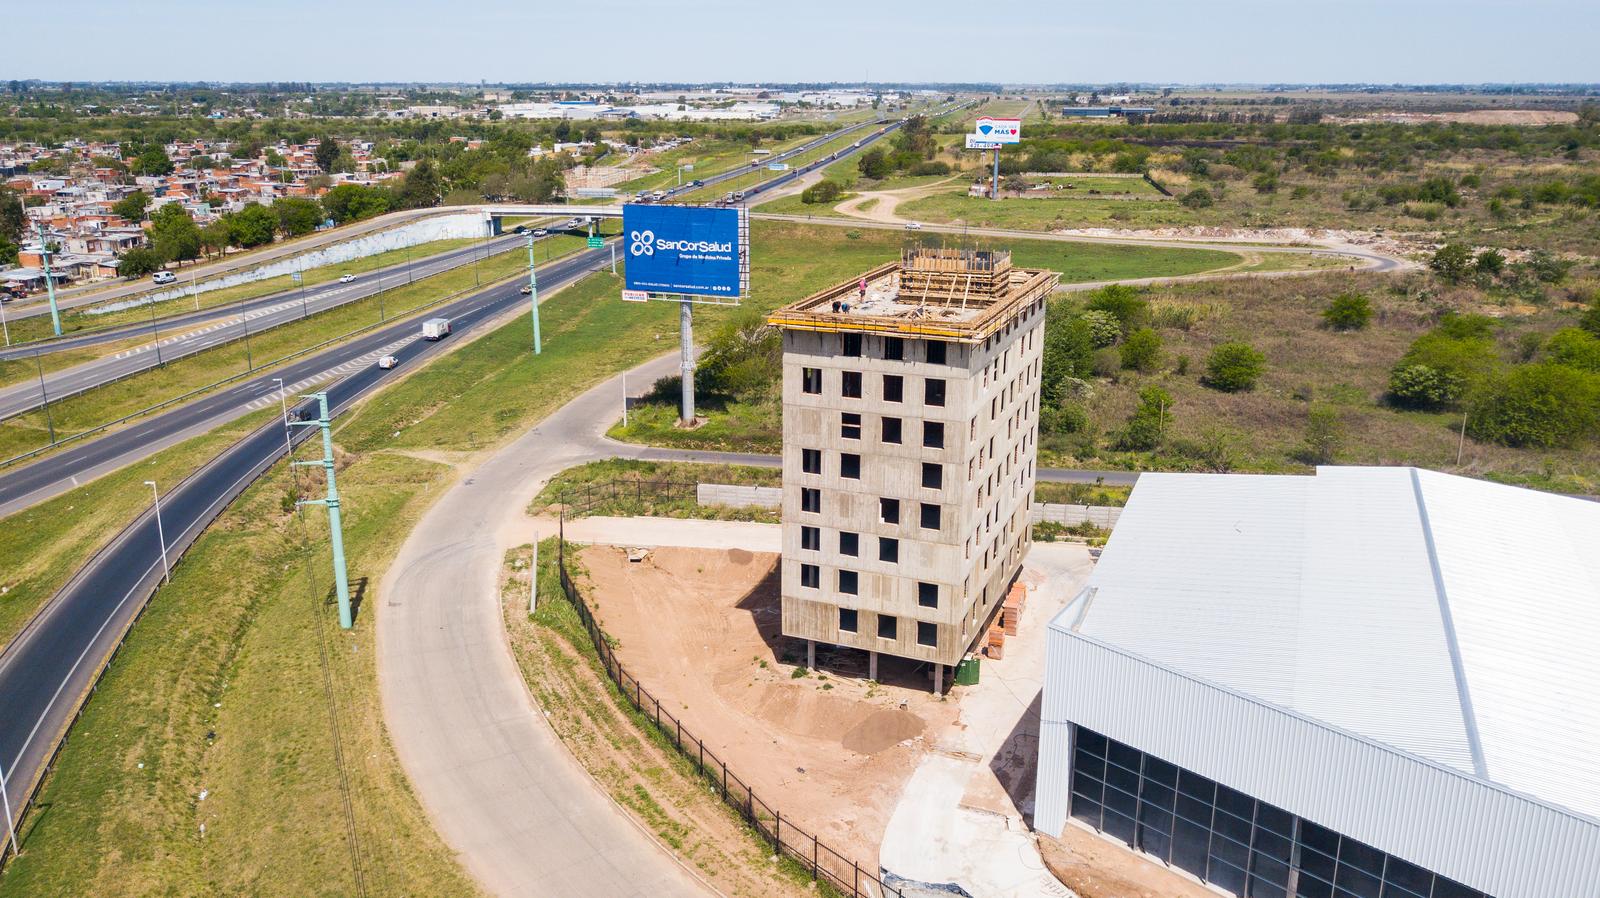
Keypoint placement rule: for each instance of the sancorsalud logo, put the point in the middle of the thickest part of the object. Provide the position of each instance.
(645, 243)
(642, 243)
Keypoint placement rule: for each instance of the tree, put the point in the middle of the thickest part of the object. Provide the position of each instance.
(420, 188)
(1103, 327)
(1575, 348)
(327, 153)
(252, 226)
(1589, 321)
(1444, 363)
(875, 164)
(138, 262)
(13, 219)
(1147, 426)
(297, 215)
(202, 163)
(1123, 303)
(132, 206)
(353, 202)
(1541, 406)
(153, 161)
(1141, 351)
(1424, 386)
(1348, 311)
(1234, 367)
(173, 234)
(215, 238)
(274, 159)
(1324, 436)
(1198, 198)
(821, 192)
(1452, 262)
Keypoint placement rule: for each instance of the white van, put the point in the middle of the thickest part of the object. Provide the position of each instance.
(165, 277)
(435, 328)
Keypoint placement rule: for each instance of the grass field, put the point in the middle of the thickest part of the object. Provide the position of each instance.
(712, 191)
(619, 486)
(112, 401)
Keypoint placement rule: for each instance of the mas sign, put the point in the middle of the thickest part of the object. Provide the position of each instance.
(1003, 130)
(682, 249)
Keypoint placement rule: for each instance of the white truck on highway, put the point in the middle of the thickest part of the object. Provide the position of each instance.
(435, 328)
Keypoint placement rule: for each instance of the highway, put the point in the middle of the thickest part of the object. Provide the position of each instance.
(46, 671)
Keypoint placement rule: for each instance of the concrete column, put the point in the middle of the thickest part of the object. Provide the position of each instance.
(811, 654)
(872, 666)
(938, 679)
(686, 362)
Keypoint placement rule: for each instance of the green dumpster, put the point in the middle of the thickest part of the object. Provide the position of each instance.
(967, 671)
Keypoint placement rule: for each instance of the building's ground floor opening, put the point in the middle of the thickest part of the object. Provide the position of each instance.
(1228, 839)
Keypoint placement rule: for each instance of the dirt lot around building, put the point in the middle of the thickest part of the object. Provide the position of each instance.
(700, 628)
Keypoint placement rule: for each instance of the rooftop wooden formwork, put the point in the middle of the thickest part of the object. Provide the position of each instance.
(961, 295)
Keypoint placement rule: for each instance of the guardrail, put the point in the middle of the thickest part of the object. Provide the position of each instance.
(826, 866)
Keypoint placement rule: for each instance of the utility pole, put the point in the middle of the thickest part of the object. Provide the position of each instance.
(341, 580)
(994, 185)
(49, 281)
(283, 406)
(161, 533)
(533, 298)
(686, 366)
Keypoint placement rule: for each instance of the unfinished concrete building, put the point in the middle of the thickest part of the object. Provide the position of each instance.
(910, 428)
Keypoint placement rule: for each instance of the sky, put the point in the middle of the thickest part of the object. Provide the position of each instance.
(1005, 41)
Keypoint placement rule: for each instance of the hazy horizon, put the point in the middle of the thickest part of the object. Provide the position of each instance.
(1230, 42)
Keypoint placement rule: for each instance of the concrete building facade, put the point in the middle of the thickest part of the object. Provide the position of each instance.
(910, 427)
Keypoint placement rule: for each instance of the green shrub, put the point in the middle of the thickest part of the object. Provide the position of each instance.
(1123, 303)
(1348, 311)
(1575, 348)
(1539, 406)
(1141, 351)
(1424, 386)
(1234, 367)
(1452, 262)
(1148, 424)
(1104, 328)
(822, 192)
(1590, 320)
(1198, 198)
(1324, 436)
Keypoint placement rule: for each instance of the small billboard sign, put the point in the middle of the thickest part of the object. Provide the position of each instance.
(974, 142)
(635, 296)
(777, 166)
(1005, 130)
(694, 250)
(596, 242)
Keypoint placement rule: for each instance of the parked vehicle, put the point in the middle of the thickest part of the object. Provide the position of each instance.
(164, 277)
(346, 278)
(435, 328)
(388, 362)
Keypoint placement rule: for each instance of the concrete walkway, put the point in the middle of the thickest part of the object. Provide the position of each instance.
(499, 786)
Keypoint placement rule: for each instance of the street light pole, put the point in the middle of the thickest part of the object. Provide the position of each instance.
(341, 579)
(49, 281)
(161, 533)
(533, 298)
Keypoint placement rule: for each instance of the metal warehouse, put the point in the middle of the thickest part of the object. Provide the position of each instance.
(1372, 683)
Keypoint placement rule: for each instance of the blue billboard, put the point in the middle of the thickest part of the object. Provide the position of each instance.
(682, 249)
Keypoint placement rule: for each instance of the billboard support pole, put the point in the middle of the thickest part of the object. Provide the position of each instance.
(686, 336)
(994, 185)
(533, 297)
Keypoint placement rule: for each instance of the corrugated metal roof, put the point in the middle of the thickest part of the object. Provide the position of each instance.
(1450, 618)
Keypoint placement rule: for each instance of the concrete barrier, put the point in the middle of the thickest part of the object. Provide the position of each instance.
(739, 496)
(1071, 515)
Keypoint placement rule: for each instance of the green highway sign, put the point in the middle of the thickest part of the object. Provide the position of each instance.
(596, 242)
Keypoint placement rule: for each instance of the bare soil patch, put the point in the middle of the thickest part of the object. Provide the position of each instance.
(829, 749)
(1095, 868)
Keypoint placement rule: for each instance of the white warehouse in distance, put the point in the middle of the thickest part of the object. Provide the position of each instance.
(1371, 682)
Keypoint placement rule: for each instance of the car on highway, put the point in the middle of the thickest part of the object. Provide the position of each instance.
(913, 225)
(164, 277)
(520, 229)
(697, 183)
(527, 290)
(541, 233)
(388, 362)
(346, 278)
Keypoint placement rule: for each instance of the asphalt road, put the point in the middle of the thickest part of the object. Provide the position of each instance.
(208, 329)
(47, 669)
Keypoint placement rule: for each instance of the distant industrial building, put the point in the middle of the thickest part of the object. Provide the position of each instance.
(1373, 683)
(910, 428)
(1105, 111)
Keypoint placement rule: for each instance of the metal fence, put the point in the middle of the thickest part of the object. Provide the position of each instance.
(826, 866)
(583, 498)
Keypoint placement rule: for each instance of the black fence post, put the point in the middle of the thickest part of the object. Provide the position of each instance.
(777, 833)
(813, 858)
(855, 885)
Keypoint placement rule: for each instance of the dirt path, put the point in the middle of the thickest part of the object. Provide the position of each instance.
(888, 201)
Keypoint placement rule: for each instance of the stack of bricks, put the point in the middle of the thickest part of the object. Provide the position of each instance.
(1011, 609)
(995, 642)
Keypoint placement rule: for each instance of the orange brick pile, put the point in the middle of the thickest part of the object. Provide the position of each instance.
(1005, 623)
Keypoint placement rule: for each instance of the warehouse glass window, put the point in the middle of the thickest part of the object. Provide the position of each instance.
(849, 543)
(928, 595)
(932, 476)
(894, 387)
(850, 425)
(847, 620)
(889, 549)
(811, 380)
(811, 461)
(811, 538)
(850, 384)
(1228, 839)
(848, 583)
(850, 345)
(927, 634)
(933, 434)
(894, 348)
(811, 500)
(888, 627)
(810, 576)
(933, 392)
